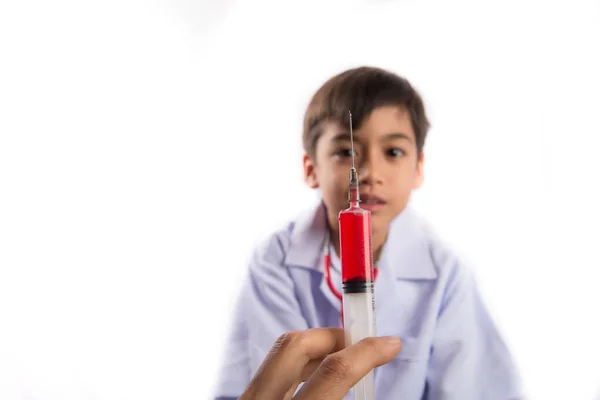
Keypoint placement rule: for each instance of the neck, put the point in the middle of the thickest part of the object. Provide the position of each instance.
(377, 241)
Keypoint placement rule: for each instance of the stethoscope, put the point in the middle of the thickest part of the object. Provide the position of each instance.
(327, 271)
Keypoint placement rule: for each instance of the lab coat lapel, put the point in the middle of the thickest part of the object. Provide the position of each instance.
(388, 301)
(307, 249)
(335, 302)
(405, 257)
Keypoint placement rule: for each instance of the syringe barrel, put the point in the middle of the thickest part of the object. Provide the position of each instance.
(357, 283)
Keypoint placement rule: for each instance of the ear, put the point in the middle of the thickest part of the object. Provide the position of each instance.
(419, 173)
(310, 172)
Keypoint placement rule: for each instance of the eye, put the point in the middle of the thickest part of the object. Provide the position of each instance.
(396, 152)
(345, 153)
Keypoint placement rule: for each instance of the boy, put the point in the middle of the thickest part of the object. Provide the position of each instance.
(424, 295)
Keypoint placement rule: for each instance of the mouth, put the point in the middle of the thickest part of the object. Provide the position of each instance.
(371, 199)
(371, 202)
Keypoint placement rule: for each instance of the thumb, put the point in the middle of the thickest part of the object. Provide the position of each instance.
(340, 371)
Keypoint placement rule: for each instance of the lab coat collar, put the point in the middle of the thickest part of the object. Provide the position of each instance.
(308, 239)
(406, 252)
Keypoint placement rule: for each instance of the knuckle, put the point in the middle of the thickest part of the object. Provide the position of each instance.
(289, 339)
(336, 368)
(372, 345)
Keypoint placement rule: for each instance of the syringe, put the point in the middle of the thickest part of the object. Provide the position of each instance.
(357, 274)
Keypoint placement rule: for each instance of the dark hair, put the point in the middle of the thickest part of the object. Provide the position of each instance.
(361, 90)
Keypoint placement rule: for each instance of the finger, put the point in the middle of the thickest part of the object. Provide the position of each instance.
(290, 393)
(339, 372)
(292, 352)
(308, 370)
(311, 367)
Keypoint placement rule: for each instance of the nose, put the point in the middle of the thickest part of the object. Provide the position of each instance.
(370, 168)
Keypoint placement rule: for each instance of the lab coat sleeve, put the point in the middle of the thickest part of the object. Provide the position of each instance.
(266, 309)
(469, 360)
(234, 373)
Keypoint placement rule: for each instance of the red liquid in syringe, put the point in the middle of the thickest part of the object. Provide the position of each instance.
(355, 243)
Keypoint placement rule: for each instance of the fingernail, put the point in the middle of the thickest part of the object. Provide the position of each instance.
(392, 340)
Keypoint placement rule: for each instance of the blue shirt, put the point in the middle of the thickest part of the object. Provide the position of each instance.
(423, 294)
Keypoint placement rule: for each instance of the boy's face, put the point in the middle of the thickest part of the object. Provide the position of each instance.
(386, 160)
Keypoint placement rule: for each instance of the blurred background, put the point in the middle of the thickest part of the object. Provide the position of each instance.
(146, 146)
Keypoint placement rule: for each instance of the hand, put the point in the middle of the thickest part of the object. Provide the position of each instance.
(318, 357)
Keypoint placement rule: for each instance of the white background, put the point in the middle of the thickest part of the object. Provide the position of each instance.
(147, 146)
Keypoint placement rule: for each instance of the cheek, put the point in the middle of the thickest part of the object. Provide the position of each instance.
(403, 184)
(333, 189)
(334, 192)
